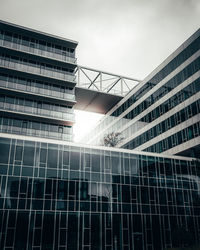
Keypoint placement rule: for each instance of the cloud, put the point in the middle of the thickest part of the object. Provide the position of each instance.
(129, 37)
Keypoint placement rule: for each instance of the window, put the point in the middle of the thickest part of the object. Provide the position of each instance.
(60, 129)
(24, 126)
(4, 149)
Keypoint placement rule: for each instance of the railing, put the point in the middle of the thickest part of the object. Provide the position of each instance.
(37, 111)
(36, 90)
(63, 57)
(104, 82)
(35, 132)
(36, 70)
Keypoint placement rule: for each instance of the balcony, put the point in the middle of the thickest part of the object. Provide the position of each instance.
(38, 91)
(67, 117)
(35, 132)
(39, 52)
(36, 69)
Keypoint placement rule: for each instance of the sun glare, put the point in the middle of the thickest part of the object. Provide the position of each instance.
(85, 121)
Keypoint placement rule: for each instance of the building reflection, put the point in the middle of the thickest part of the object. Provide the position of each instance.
(123, 194)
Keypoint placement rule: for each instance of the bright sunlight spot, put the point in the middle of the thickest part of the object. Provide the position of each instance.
(85, 121)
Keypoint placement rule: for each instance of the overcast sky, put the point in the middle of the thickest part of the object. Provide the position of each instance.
(127, 37)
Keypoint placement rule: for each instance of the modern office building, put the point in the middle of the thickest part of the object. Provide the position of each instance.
(55, 194)
(161, 114)
(37, 83)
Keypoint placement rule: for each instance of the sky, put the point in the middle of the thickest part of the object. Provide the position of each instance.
(129, 37)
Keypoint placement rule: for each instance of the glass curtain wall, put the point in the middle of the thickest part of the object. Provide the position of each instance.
(70, 197)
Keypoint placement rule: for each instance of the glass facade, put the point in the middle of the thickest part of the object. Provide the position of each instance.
(169, 104)
(35, 128)
(178, 79)
(170, 99)
(171, 66)
(36, 67)
(41, 108)
(37, 87)
(37, 83)
(70, 197)
(178, 138)
(39, 47)
(160, 76)
(172, 121)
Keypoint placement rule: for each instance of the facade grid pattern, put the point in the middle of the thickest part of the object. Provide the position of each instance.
(70, 197)
(146, 86)
(146, 118)
(37, 81)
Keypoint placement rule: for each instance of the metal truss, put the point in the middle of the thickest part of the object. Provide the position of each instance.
(104, 82)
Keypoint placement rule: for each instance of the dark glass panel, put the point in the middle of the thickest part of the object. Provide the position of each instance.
(29, 151)
(21, 230)
(43, 155)
(3, 169)
(72, 231)
(48, 230)
(18, 153)
(38, 189)
(95, 231)
(9, 237)
(4, 150)
(95, 163)
(65, 158)
(52, 158)
(27, 171)
(75, 160)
